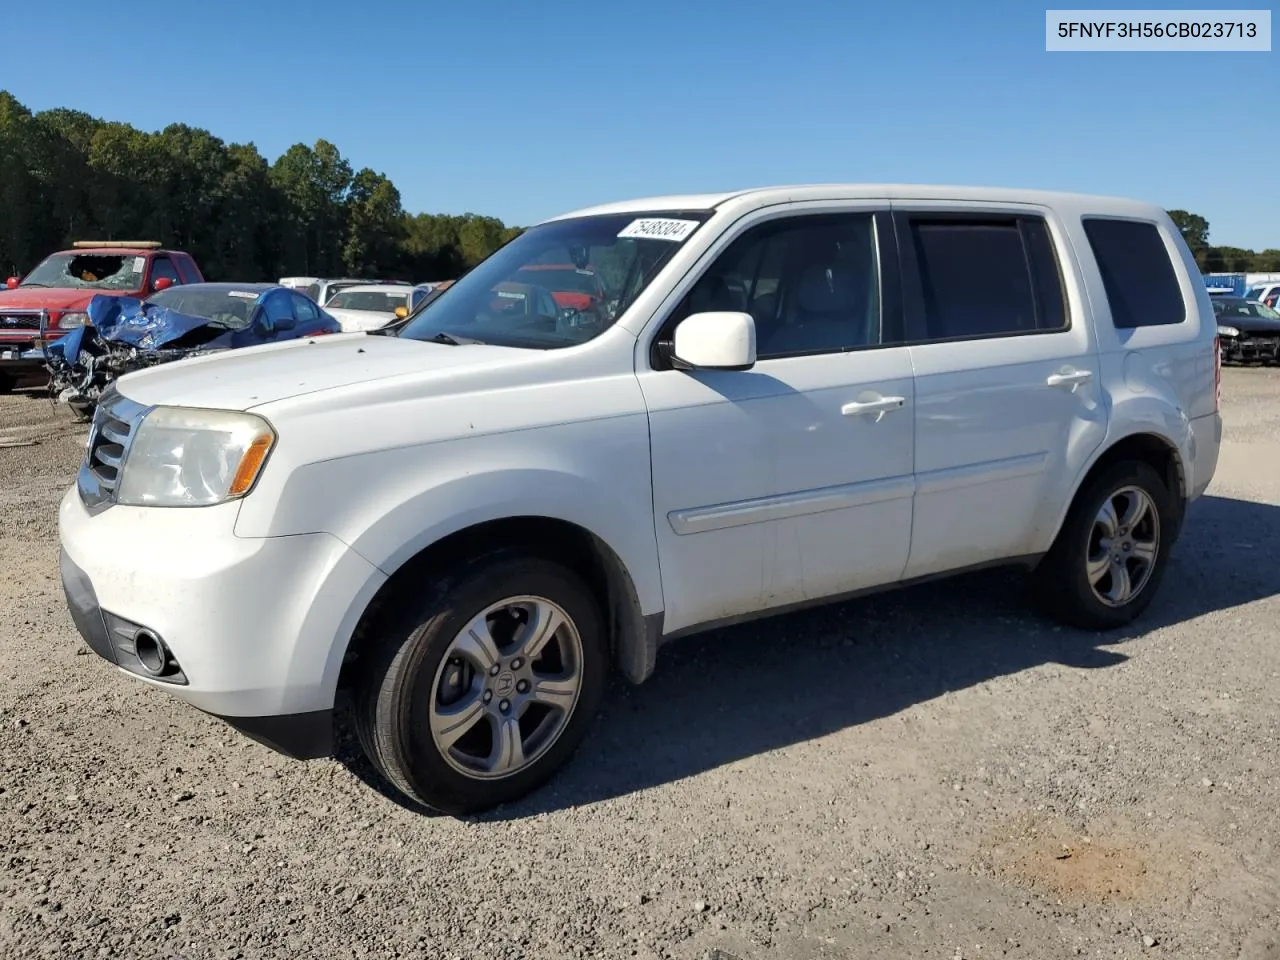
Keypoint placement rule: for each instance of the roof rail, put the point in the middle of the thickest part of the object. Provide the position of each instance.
(126, 244)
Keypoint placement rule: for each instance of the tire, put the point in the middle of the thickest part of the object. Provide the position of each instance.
(417, 649)
(1062, 580)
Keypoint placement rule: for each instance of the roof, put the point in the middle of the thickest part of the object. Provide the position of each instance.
(223, 287)
(768, 196)
(118, 251)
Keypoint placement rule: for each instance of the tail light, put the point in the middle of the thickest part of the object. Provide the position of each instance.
(1217, 373)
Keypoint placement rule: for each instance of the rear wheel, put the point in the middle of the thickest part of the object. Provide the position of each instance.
(1110, 556)
(475, 694)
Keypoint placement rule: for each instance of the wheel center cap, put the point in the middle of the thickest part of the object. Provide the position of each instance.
(505, 683)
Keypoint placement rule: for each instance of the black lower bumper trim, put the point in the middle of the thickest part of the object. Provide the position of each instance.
(85, 612)
(302, 736)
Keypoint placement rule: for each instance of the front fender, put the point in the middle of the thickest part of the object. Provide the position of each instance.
(390, 505)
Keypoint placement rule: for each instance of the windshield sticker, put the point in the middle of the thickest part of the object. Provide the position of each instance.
(242, 293)
(139, 264)
(509, 295)
(658, 228)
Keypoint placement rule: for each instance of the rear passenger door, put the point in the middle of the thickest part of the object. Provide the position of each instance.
(1008, 401)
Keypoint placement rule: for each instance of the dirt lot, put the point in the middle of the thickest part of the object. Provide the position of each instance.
(935, 773)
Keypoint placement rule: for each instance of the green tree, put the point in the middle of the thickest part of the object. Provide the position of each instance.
(66, 176)
(1195, 229)
(375, 228)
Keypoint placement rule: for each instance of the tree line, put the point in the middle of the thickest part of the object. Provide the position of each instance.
(66, 176)
(1213, 259)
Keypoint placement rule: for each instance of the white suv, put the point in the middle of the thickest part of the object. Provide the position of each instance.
(792, 395)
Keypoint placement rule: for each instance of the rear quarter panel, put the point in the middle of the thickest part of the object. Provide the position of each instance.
(1157, 379)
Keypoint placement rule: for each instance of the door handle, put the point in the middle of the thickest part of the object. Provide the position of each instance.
(1071, 379)
(862, 408)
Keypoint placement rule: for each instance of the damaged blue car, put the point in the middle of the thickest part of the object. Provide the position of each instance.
(125, 334)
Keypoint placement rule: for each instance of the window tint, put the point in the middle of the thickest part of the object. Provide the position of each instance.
(303, 308)
(277, 306)
(163, 267)
(1137, 274)
(812, 285)
(985, 278)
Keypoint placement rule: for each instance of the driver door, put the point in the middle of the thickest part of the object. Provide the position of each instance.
(791, 482)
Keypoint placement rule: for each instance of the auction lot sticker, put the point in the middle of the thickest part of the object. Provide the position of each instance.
(659, 228)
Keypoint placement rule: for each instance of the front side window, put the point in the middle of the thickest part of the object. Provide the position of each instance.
(986, 277)
(516, 296)
(162, 267)
(277, 307)
(1137, 273)
(304, 308)
(811, 284)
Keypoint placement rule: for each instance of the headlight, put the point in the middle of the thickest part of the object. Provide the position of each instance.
(189, 457)
(69, 321)
(1227, 331)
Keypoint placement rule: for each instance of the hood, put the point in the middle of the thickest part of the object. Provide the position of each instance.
(49, 298)
(142, 325)
(250, 377)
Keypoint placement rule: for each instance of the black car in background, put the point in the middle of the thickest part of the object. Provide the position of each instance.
(1249, 331)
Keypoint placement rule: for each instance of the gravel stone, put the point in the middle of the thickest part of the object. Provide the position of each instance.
(780, 774)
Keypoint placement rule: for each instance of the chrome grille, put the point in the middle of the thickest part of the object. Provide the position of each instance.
(112, 430)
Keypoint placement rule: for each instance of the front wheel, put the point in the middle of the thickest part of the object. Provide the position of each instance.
(1110, 555)
(475, 694)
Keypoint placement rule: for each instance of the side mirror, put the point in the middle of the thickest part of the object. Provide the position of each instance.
(401, 312)
(715, 341)
(162, 283)
(12, 282)
(286, 323)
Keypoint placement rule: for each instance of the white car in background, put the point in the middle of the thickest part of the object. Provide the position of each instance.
(298, 283)
(372, 305)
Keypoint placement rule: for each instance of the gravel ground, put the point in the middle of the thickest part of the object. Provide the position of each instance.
(933, 773)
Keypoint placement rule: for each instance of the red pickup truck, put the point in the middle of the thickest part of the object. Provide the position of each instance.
(54, 295)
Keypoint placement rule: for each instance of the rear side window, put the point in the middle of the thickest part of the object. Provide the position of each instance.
(986, 277)
(1137, 274)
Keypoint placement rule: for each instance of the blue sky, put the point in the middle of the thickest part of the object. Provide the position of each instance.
(523, 110)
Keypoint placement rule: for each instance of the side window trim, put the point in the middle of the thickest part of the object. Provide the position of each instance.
(892, 330)
(916, 332)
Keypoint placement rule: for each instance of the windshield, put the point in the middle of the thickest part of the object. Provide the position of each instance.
(1255, 293)
(378, 302)
(89, 271)
(1244, 308)
(506, 301)
(226, 308)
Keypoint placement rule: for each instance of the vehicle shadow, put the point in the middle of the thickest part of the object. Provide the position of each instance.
(741, 691)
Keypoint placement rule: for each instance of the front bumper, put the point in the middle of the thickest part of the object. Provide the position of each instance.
(1248, 349)
(253, 630)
